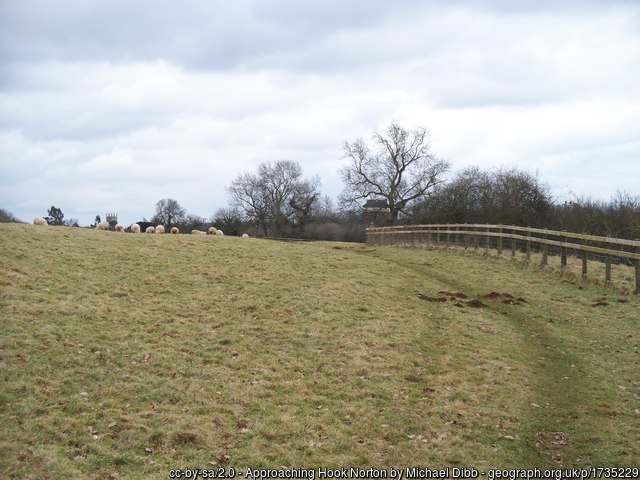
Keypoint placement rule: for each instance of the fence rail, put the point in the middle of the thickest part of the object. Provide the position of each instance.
(607, 250)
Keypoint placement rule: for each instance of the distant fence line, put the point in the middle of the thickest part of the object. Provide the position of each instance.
(607, 250)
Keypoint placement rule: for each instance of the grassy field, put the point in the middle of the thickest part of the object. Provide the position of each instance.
(125, 356)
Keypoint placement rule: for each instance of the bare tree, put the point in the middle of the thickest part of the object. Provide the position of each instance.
(248, 195)
(272, 196)
(619, 217)
(229, 220)
(507, 196)
(399, 168)
(169, 212)
(190, 222)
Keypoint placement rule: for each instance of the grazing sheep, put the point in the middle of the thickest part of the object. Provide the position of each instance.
(212, 231)
(103, 225)
(119, 227)
(160, 229)
(198, 232)
(245, 235)
(220, 233)
(150, 230)
(175, 230)
(40, 221)
(135, 228)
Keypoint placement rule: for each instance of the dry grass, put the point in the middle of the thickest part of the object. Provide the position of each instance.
(128, 355)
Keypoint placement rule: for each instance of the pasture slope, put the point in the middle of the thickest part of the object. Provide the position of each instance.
(124, 356)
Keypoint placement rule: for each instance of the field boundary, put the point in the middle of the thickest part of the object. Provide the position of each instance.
(607, 250)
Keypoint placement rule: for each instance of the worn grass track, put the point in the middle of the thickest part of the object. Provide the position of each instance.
(128, 355)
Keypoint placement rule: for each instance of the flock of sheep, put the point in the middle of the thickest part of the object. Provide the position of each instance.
(135, 228)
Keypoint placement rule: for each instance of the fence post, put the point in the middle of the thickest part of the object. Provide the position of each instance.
(584, 260)
(545, 251)
(637, 271)
(528, 246)
(487, 245)
(475, 241)
(500, 240)
(563, 253)
(513, 244)
(447, 238)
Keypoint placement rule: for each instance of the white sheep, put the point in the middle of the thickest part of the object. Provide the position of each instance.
(119, 227)
(103, 225)
(245, 235)
(175, 230)
(160, 229)
(220, 233)
(150, 230)
(40, 221)
(212, 231)
(198, 232)
(135, 228)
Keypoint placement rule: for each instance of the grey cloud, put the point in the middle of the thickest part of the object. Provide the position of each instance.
(332, 35)
(212, 35)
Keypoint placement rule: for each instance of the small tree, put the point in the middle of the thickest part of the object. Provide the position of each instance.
(169, 212)
(71, 222)
(191, 222)
(55, 216)
(229, 220)
(7, 217)
(399, 168)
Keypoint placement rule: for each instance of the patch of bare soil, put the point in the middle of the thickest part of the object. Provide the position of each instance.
(458, 297)
(453, 294)
(492, 296)
(505, 298)
(475, 304)
(427, 298)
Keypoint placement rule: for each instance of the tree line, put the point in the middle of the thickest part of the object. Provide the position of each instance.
(399, 170)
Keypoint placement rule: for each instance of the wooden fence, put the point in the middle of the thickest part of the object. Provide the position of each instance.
(528, 240)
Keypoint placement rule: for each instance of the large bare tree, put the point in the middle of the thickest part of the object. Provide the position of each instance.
(399, 167)
(275, 196)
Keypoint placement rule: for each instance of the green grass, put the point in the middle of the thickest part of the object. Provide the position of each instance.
(128, 355)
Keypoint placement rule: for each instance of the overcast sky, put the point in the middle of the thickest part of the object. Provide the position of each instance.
(113, 105)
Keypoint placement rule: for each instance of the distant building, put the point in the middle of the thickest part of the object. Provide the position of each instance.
(112, 218)
(376, 212)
